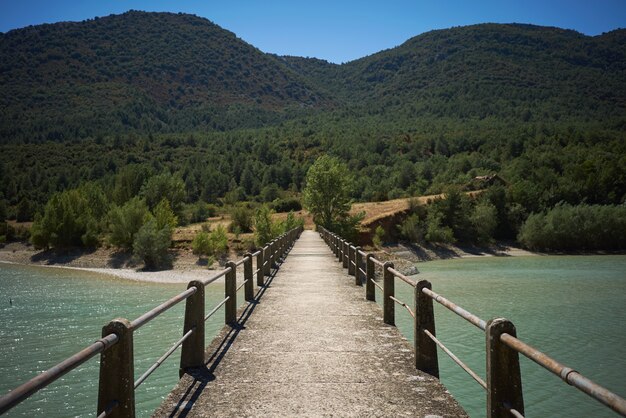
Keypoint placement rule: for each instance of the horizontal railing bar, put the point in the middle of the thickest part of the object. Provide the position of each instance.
(468, 316)
(352, 247)
(363, 253)
(109, 408)
(242, 285)
(352, 263)
(402, 277)
(377, 285)
(219, 305)
(399, 302)
(164, 357)
(42, 380)
(265, 262)
(240, 262)
(454, 358)
(514, 412)
(150, 315)
(376, 261)
(362, 271)
(257, 253)
(256, 272)
(217, 276)
(568, 375)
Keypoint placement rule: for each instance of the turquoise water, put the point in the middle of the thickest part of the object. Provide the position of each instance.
(57, 312)
(572, 308)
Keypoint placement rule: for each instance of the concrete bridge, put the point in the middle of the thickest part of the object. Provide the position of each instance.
(310, 346)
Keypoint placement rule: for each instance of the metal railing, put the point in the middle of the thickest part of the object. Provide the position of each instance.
(504, 380)
(116, 389)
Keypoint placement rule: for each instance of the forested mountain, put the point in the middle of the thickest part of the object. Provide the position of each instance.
(139, 71)
(139, 94)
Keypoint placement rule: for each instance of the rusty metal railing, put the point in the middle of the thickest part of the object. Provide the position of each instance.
(504, 381)
(116, 392)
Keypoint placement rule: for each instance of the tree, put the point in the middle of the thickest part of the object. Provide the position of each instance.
(125, 222)
(165, 186)
(164, 216)
(150, 244)
(485, 220)
(264, 229)
(327, 192)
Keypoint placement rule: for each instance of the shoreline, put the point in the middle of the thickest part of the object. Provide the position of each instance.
(108, 262)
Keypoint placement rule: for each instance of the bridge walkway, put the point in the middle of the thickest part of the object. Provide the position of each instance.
(310, 345)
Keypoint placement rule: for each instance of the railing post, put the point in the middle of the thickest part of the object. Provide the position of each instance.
(260, 277)
(388, 290)
(345, 257)
(504, 379)
(340, 249)
(370, 275)
(267, 260)
(117, 375)
(192, 351)
(273, 254)
(351, 259)
(230, 291)
(357, 265)
(247, 275)
(425, 349)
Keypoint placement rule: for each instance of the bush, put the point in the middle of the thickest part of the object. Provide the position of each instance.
(292, 222)
(164, 186)
(484, 218)
(435, 231)
(164, 216)
(412, 229)
(379, 235)
(151, 244)
(125, 222)
(241, 218)
(201, 244)
(200, 211)
(219, 241)
(265, 229)
(287, 205)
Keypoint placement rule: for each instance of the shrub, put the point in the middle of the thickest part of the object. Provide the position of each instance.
(151, 244)
(265, 231)
(201, 244)
(287, 205)
(379, 235)
(292, 222)
(125, 222)
(412, 229)
(200, 211)
(219, 241)
(164, 216)
(435, 231)
(484, 218)
(241, 218)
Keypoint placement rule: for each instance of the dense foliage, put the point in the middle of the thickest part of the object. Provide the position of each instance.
(151, 104)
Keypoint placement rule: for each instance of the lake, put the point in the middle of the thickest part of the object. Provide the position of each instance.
(570, 307)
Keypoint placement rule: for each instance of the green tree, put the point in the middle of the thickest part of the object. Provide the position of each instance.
(241, 219)
(327, 192)
(484, 218)
(165, 186)
(150, 244)
(164, 216)
(125, 222)
(264, 227)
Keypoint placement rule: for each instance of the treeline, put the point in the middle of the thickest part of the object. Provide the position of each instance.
(582, 227)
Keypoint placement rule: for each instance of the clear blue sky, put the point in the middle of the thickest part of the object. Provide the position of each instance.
(339, 30)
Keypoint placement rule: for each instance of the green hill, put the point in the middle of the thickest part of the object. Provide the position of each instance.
(139, 71)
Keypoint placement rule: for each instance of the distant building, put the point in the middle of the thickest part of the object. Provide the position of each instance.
(482, 182)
